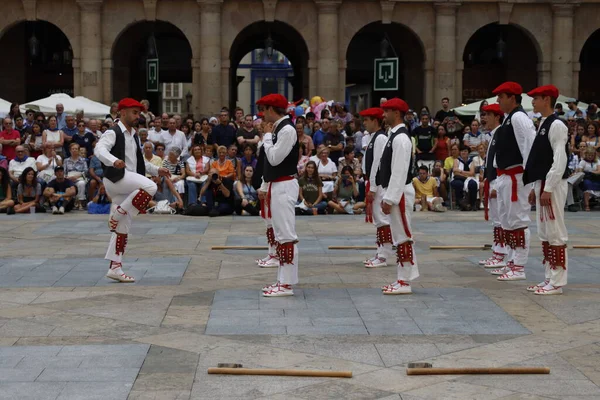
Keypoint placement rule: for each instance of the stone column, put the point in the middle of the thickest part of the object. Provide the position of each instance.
(562, 48)
(91, 49)
(209, 89)
(428, 89)
(576, 70)
(76, 63)
(312, 78)
(342, 81)
(458, 83)
(328, 52)
(544, 74)
(197, 95)
(107, 70)
(445, 53)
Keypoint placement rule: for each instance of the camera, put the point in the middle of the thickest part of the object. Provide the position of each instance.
(215, 177)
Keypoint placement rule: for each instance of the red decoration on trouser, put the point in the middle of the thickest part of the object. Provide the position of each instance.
(515, 238)
(141, 200)
(486, 199)
(499, 239)
(285, 253)
(404, 253)
(546, 252)
(384, 235)
(546, 212)
(403, 216)
(507, 238)
(271, 237)
(121, 243)
(263, 214)
(369, 204)
(558, 256)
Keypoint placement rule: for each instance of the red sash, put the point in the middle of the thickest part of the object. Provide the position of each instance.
(512, 173)
(280, 179)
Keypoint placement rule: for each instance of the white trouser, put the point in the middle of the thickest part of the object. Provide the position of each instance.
(380, 219)
(554, 230)
(268, 225)
(180, 186)
(122, 194)
(572, 181)
(80, 183)
(284, 196)
(515, 215)
(409, 271)
(494, 216)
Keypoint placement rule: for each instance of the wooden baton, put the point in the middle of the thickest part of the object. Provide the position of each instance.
(352, 248)
(478, 371)
(586, 246)
(280, 372)
(482, 247)
(239, 248)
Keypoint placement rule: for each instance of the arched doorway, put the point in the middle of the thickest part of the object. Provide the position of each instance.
(36, 62)
(378, 40)
(495, 54)
(589, 59)
(277, 57)
(161, 40)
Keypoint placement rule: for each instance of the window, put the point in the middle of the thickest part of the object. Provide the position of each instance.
(172, 95)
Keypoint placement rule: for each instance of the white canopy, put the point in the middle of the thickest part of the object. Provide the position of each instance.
(90, 108)
(471, 109)
(4, 108)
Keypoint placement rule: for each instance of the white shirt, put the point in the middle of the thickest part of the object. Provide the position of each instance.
(107, 142)
(378, 146)
(177, 139)
(402, 150)
(558, 137)
(191, 162)
(524, 134)
(16, 168)
(155, 136)
(329, 169)
(286, 139)
(42, 159)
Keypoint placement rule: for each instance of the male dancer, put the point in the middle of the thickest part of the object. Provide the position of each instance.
(272, 259)
(493, 116)
(125, 181)
(281, 150)
(395, 175)
(547, 168)
(513, 144)
(372, 119)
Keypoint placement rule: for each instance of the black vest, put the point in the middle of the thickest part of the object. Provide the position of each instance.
(114, 174)
(369, 154)
(259, 170)
(507, 149)
(289, 165)
(490, 172)
(385, 167)
(541, 156)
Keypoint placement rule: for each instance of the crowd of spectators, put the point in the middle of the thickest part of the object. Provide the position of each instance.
(47, 163)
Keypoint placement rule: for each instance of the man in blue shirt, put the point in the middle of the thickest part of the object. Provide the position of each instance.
(69, 130)
(60, 116)
(224, 134)
(319, 136)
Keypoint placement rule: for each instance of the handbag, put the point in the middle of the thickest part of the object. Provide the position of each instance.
(162, 207)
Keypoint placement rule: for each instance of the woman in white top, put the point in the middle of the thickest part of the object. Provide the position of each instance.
(327, 170)
(590, 168)
(46, 163)
(54, 135)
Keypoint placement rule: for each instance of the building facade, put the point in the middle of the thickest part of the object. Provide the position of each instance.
(460, 50)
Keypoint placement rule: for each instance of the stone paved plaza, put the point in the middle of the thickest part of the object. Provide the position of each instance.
(66, 332)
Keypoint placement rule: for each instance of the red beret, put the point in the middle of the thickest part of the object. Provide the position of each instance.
(273, 100)
(493, 108)
(374, 112)
(546, 90)
(260, 115)
(395, 104)
(509, 88)
(130, 103)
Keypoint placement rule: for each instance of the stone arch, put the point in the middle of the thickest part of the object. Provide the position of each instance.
(589, 61)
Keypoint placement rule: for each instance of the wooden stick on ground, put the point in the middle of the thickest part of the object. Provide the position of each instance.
(482, 247)
(478, 371)
(239, 248)
(586, 246)
(280, 372)
(352, 248)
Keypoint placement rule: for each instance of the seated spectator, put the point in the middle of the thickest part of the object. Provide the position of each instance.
(344, 193)
(84, 139)
(248, 158)
(54, 135)
(76, 169)
(441, 178)
(143, 136)
(474, 138)
(223, 165)
(6, 202)
(479, 163)
(232, 156)
(454, 130)
(464, 181)
(46, 163)
(591, 179)
(327, 171)
(348, 160)
(60, 193)
(426, 192)
(217, 195)
(18, 165)
(29, 192)
(9, 138)
(425, 138)
(202, 134)
(3, 160)
(95, 173)
(34, 141)
(166, 190)
(311, 198)
(449, 161)
(209, 152)
(304, 139)
(176, 168)
(196, 168)
(246, 197)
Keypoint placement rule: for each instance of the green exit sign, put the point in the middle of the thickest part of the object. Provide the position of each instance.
(152, 75)
(386, 74)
